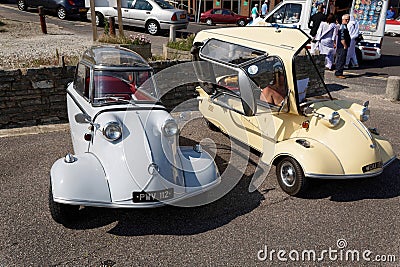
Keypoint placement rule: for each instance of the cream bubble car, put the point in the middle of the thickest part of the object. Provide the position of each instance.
(257, 86)
(126, 152)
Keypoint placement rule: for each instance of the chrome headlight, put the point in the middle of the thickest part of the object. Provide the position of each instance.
(112, 131)
(334, 118)
(170, 128)
(364, 115)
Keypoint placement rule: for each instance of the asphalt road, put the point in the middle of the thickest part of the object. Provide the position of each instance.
(230, 231)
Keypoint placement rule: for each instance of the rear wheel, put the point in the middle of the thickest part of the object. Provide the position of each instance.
(152, 27)
(99, 19)
(62, 213)
(241, 23)
(209, 21)
(22, 5)
(212, 127)
(392, 34)
(291, 177)
(61, 12)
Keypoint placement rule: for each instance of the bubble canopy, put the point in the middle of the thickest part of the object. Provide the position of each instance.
(113, 56)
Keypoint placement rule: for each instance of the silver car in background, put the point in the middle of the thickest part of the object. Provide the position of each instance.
(153, 15)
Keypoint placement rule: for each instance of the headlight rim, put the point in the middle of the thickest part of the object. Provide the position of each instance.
(109, 124)
(165, 124)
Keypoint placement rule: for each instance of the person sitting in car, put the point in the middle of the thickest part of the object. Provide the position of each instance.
(275, 92)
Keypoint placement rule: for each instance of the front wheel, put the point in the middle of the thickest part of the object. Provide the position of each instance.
(291, 177)
(241, 23)
(22, 5)
(61, 12)
(152, 27)
(209, 22)
(62, 213)
(392, 34)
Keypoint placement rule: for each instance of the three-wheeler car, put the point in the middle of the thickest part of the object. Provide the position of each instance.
(126, 152)
(261, 86)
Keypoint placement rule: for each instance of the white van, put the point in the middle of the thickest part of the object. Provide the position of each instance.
(371, 15)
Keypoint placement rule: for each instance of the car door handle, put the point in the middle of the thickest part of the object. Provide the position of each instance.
(147, 12)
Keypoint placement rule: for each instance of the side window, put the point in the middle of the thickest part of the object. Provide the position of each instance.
(142, 5)
(286, 14)
(268, 74)
(226, 12)
(218, 11)
(82, 80)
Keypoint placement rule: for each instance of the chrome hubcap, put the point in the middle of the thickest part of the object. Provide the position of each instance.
(61, 13)
(288, 174)
(152, 28)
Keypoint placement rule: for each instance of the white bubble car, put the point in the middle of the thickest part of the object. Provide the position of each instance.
(126, 152)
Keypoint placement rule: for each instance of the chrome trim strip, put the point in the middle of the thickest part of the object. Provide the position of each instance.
(390, 161)
(339, 177)
(131, 204)
(351, 176)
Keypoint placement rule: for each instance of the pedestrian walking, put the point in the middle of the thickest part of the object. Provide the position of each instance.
(325, 37)
(342, 44)
(354, 31)
(264, 9)
(254, 12)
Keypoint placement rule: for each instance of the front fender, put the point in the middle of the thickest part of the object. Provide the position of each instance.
(83, 180)
(317, 159)
(199, 168)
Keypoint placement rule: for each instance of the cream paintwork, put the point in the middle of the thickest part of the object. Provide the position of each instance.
(335, 151)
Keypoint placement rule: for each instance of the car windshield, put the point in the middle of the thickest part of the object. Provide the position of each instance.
(163, 4)
(123, 86)
(309, 81)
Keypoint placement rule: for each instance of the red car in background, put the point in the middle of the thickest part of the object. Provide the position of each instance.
(392, 27)
(222, 15)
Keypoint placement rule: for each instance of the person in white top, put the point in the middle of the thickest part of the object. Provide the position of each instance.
(325, 37)
(354, 31)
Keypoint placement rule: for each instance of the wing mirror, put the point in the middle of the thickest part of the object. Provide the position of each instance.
(83, 118)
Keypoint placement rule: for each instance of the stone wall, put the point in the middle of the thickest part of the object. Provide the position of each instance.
(37, 96)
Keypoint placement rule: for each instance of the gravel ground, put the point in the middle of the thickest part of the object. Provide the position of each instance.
(34, 49)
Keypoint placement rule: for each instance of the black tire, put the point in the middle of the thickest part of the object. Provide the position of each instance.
(392, 34)
(212, 127)
(152, 27)
(61, 13)
(99, 19)
(62, 213)
(22, 5)
(241, 23)
(209, 21)
(291, 177)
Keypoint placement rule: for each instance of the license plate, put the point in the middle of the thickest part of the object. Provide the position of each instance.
(82, 10)
(372, 166)
(183, 16)
(153, 196)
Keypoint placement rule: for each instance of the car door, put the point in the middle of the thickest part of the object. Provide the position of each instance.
(227, 16)
(138, 13)
(78, 104)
